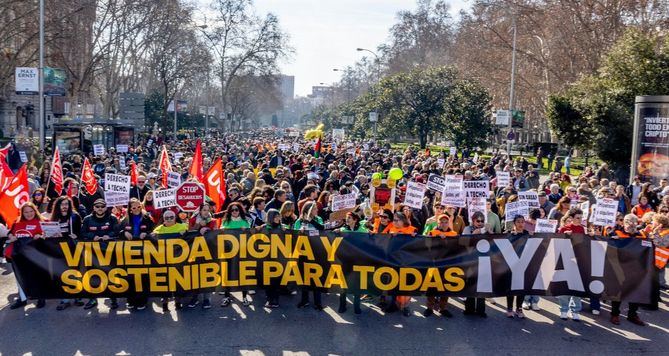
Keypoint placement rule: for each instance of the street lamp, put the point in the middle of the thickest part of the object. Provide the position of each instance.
(348, 82)
(378, 61)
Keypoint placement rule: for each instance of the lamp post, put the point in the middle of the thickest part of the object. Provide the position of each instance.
(41, 75)
(378, 61)
(513, 82)
(348, 82)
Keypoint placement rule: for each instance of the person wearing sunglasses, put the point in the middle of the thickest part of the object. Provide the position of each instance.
(475, 306)
(432, 222)
(137, 225)
(234, 218)
(170, 228)
(100, 225)
(384, 222)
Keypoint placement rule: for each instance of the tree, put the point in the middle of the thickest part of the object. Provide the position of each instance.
(467, 116)
(638, 64)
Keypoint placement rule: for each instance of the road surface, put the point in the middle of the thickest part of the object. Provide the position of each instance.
(239, 330)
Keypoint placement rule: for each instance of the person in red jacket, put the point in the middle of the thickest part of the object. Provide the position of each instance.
(27, 226)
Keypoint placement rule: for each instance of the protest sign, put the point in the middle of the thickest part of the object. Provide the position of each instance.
(177, 156)
(23, 156)
(516, 208)
(532, 198)
(164, 198)
(122, 148)
(545, 225)
(343, 201)
(296, 147)
(50, 228)
(338, 134)
(414, 195)
(605, 212)
(477, 204)
(503, 179)
(284, 147)
(339, 261)
(173, 179)
(452, 151)
(435, 182)
(440, 163)
(585, 207)
(121, 164)
(98, 150)
(476, 188)
(117, 189)
(453, 193)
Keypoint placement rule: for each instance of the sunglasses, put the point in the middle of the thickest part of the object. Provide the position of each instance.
(234, 210)
(479, 221)
(384, 217)
(439, 207)
(169, 217)
(38, 194)
(99, 206)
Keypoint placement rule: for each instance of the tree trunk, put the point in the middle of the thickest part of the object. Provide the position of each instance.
(422, 137)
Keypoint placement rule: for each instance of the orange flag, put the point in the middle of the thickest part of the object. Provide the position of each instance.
(88, 178)
(196, 165)
(214, 184)
(14, 196)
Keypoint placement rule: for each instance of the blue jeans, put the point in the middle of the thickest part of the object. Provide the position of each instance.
(595, 304)
(568, 302)
(532, 299)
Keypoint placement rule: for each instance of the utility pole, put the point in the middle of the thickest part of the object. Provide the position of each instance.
(41, 75)
(513, 82)
(175, 118)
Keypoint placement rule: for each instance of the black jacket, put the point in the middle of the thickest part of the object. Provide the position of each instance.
(94, 226)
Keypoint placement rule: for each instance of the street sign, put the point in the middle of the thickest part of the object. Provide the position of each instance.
(502, 117)
(190, 196)
(27, 81)
(373, 116)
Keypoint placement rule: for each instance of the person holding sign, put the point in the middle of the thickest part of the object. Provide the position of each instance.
(171, 227)
(136, 225)
(629, 230)
(475, 305)
(518, 229)
(570, 303)
(69, 222)
(352, 224)
(439, 303)
(26, 227)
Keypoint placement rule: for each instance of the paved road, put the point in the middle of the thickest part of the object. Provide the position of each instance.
(239, 330)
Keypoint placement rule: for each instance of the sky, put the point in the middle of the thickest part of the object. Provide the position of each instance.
(326, 33)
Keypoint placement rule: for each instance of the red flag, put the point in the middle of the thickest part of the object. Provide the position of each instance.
(14, 196)
(133, 173)
(88, 178)
(4, 151)
(165, 166)
(56, 176)
(317, 148)
(6, 174)
(196, 170)
(214, 184)
(70, 189)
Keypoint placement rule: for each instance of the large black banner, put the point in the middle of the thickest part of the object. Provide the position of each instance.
(485, 266)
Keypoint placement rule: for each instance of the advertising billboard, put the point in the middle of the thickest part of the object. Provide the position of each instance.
(650, 150)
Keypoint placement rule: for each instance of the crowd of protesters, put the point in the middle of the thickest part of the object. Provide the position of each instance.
(293, 189)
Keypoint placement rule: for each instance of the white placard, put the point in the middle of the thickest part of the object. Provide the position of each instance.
(98, 150)
(532, 198)
(338, 134)
(477, 204)
(476, 188)
(177, 156)
(27, 80)
(149, 142)
(165, 198)
(24, 156)
(546, 225)
(440, 163)
(585, 206)
(351, 151)
(173, 179)
(296, 147)
(117, 189)
(283, 146)
(503, 179)
(453, 193)
(452, 151)
(122, 148)
(414, 195)
(50, 228)
(294, 134)
(605, 212)
(435, 182)
(516, 208)
(343, 201)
